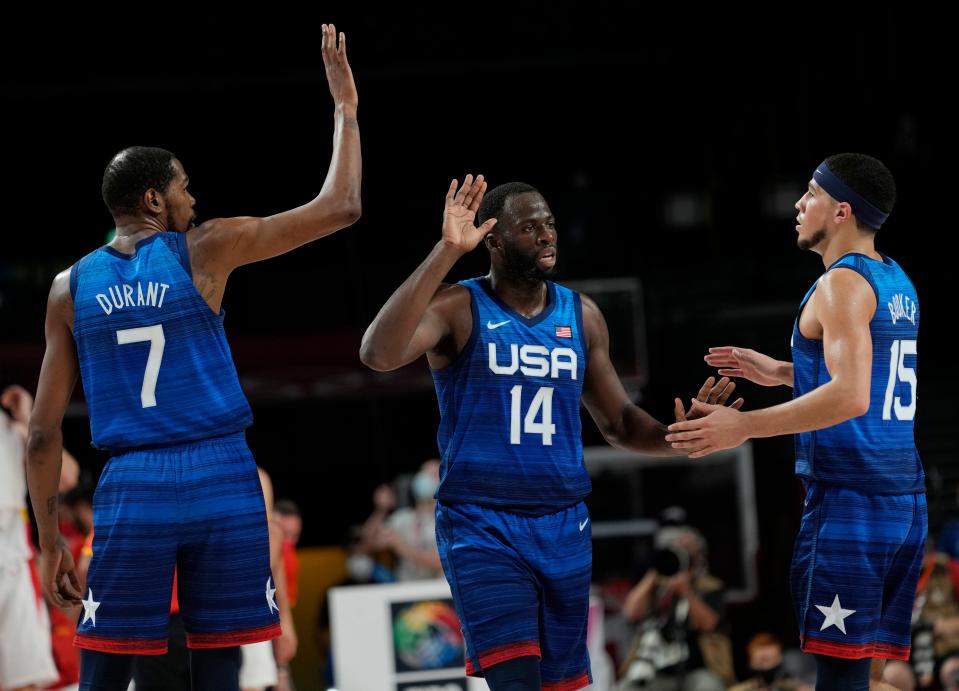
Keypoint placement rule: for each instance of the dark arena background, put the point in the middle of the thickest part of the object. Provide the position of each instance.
(670, 145)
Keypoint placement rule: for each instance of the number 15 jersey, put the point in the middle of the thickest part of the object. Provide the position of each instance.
(874, 453)
(154, 359)
(510, 431)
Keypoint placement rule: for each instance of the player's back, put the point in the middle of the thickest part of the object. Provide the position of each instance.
(154, 360)
(875, 452)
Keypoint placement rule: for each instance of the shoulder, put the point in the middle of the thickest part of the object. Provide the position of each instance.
(60, 300)
(844, 289)
(594, 324)
(452, 301)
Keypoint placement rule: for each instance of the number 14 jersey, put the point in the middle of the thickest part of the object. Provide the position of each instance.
(510, 431)
(154, 360)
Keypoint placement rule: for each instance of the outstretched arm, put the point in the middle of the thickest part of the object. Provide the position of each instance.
(624, 424)
(219, 246)
(58, 376)
(420, 313)
(845, 304)
(748, 364)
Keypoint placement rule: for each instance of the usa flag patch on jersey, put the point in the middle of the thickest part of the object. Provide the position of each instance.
(564, 332)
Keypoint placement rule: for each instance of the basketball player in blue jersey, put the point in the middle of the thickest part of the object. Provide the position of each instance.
(140, 321)
(512, 354)
(853, 373)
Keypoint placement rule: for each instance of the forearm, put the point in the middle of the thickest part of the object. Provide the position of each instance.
(785, 373)
(387, 339)
(825, 406)
(702, 617)
(344, 178)
(639, 431)
(636, 606)
(44, 459)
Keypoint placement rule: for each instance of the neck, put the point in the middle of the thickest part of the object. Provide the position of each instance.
(858, 243)
(526, 297)
(132, 229)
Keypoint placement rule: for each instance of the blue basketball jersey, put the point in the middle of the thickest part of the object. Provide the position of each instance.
(876, 452)
(154, 360)
(510, 432)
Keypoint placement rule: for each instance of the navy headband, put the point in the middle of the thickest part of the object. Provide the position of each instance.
(841, 192)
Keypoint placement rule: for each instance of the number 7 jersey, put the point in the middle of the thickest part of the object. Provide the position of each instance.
(874, 453)
(154, 360)
(510, 431)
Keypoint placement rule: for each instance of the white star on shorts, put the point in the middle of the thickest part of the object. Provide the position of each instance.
(835, 615)
(270, 593)
(89, 608)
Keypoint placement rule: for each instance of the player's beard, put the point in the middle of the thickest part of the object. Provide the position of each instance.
(522, 268)
(812, 240)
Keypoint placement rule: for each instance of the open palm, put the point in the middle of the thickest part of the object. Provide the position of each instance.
(461, 206)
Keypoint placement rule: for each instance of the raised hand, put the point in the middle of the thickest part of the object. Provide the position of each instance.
(712, 393)
(339, 76)
(461, 207)
(748, 364)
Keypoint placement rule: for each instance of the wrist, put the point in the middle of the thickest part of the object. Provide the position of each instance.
(449, 250)
(345, 110)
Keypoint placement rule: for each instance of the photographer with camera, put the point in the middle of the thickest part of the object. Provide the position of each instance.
(678, 607)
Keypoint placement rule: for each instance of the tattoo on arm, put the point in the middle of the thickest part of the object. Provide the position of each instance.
(51, 504)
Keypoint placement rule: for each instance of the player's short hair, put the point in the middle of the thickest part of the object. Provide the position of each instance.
(131, 173)
(495, 200)
(869, 177)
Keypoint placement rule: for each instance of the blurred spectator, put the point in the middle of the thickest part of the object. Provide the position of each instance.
(410, 533)
(769, 669)
(26, 657)
(678, 606)
(287, 515)
(899, 675)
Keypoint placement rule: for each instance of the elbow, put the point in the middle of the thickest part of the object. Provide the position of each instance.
(855, 404)
(41, 439)
(370, 357)
(351, 208)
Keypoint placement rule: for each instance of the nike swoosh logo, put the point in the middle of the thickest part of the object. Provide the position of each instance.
(583, 525)
(491, 325)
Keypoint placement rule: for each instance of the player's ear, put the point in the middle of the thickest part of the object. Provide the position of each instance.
(492, 241)
(153, 202)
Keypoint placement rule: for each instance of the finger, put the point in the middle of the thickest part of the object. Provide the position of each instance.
(451, 192)
(719, 361)
(738, 404)
(342, 50)
(488, 226)
(72, 585)
(679, 411)
(465, 189)
(479, 190)
(732, 373)
(716, 391)
(726, 392)
(474, 190)
(685, 426)
(722, 350)
(692, 444)
(706, 387)
(684, 436)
